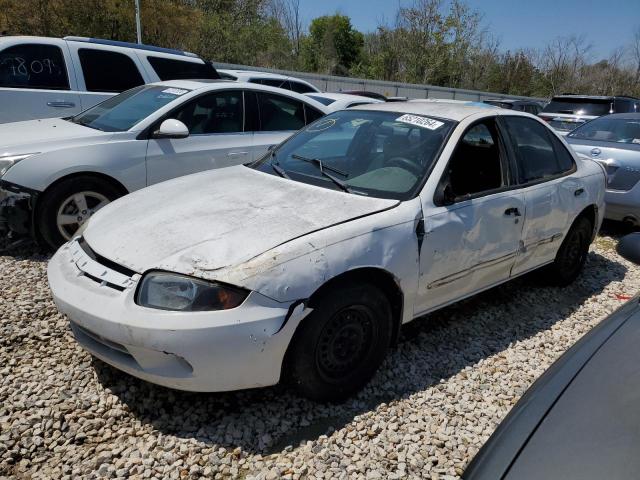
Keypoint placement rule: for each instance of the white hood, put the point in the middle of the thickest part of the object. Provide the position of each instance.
(217, 219)
(45, 135)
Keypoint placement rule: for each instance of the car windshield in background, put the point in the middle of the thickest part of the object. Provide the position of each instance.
(381, 154)
(576, 106)
(123, 111)
(610, 129)
(323, 100)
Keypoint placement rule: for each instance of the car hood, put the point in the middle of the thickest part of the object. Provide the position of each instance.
(45, 135)
(203, 223)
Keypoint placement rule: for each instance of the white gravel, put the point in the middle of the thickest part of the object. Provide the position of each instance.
(437, 398)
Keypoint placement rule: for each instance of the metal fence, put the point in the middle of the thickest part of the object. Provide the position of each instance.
(332, 83)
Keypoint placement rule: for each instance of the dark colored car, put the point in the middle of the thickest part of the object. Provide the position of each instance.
(519, 105)
(581, 419)
(566, 112)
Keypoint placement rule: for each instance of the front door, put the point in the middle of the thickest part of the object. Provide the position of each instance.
(472, 237)
(216, 138)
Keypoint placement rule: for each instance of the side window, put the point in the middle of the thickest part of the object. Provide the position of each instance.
(311, 114)
(278, 113)
(272, 82)
(476, 164)
(106, 71)
(33, 66)
(565, 160)
(300, 87)
(535, 151)
(214, 113)
(171, 69)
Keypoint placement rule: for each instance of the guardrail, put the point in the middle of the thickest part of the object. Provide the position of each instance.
(332, 83)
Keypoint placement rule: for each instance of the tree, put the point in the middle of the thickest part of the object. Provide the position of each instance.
(332, 46)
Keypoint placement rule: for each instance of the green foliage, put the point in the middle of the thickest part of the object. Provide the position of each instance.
(332, 46)
(437, 42)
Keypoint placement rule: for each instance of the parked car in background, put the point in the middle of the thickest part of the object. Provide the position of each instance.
(366, 93)
(42, 77)
(614, 142)
(579, 420)
(340, 101)
(55, 173)
(304, 265)
(567, 112)
(271, 79)
(528, 106)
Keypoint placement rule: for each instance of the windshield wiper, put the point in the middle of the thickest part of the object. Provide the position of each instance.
(279, 170)
(318, 163)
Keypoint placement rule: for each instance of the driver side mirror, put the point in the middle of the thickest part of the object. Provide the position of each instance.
(171, 128)
(629, 247)
(444, 195)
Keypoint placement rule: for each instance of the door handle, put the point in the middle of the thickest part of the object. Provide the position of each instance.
(237, 154)
(578, 192)
(513, 211)
(61, 104)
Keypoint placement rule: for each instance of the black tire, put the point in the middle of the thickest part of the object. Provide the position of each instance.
(572, 254)
(53, 199)
(339, 347)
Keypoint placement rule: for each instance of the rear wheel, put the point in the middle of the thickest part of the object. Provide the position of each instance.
(342, 343)
(69, 204)
(572, 254)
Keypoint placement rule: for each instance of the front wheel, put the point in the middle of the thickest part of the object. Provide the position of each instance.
(572, 254)
(69, 204)
(342, 343)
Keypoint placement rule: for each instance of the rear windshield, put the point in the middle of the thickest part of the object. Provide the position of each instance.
(608, 129)
(171, 69)
(322, 100)
(577, 106)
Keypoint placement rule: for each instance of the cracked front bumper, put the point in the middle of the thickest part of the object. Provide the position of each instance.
(17, 206)
(198, 351)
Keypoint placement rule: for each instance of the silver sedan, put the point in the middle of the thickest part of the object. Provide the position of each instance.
(614, 141)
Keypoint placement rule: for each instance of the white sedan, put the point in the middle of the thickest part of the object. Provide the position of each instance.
(340, 101)
(55, 173)
(304, 265)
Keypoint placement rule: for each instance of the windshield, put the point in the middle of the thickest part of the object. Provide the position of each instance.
(381, 154)
(579, 106)
(123, 111)
(610, 129)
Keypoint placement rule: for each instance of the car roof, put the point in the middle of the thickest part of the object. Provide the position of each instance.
(343, 96)
(135, 46)
(255, 73)
(447, 110)
(592, 97)
(624, 116)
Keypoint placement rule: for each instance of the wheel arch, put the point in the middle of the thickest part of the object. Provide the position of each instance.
(86, 174)
(590, 212)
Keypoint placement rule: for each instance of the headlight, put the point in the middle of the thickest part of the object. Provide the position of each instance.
(170, 291)
(9, 161)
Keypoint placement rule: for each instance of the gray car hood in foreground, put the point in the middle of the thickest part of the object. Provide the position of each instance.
(37, 136)
(216, 219)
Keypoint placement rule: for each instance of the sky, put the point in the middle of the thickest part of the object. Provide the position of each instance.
(517, 23)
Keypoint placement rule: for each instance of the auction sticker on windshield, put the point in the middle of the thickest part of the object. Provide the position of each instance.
(175, 91)
(423, 122)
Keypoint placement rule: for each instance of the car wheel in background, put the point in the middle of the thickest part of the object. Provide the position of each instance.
(69, 204)
(572, 254)
(341, 344)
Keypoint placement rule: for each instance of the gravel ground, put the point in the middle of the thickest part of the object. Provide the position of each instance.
(438, 397)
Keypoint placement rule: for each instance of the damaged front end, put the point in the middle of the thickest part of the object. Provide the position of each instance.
(17, 205)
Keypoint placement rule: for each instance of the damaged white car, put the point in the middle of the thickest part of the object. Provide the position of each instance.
(304, 265)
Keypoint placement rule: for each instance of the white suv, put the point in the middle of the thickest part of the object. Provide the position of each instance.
(43, 77)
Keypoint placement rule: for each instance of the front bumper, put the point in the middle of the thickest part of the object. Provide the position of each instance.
(17, 205)
(197, 351)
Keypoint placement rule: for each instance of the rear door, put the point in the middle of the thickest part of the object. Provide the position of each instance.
(104, 72)
(472, 239)
(37, 80)
(552, 193)
(217, 138)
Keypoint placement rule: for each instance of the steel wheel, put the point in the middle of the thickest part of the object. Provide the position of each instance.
(76, 209)
(345, 342)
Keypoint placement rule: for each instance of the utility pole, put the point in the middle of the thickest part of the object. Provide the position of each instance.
(138, 28)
